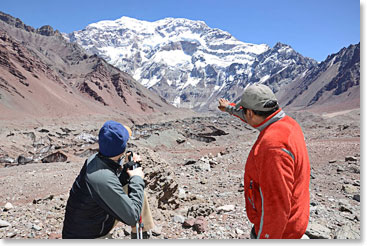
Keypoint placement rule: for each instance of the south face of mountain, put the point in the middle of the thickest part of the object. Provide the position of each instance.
(190, 64)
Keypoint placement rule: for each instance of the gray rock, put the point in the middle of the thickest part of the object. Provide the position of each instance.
(350, 158)
(348, 231)
(357, 197)
(344, 206)
(340, 169)
(226, 208)
(200, 210)
(11, 234)
(312, 175)
(318, 231)
(350, 189)
(242, 183)
(6, 159)
(55, 157)
(36, 227)
(127, 231)
(24, 160)
(178, 218)
(201, 224)
(157, 230)
(4, 223)
(181, 193)
(8, 206)
(202, 166)
(180, 141)
(189, 223)
(354, 168)
(86, 137)
(189, 162)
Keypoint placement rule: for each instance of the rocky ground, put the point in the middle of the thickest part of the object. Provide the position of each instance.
(194, 174)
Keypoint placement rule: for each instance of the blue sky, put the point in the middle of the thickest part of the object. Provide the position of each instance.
(314, 28)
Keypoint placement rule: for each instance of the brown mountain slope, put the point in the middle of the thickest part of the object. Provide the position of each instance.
(333, 85)
(45, 76)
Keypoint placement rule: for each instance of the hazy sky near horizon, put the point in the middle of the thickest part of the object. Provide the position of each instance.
(314, 28)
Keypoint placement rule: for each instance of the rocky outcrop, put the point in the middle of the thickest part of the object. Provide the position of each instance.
(16, 22)
(334, 81)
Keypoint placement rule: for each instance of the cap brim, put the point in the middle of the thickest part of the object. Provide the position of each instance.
(129, 130)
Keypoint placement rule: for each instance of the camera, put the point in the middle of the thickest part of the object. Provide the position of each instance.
(130, 165)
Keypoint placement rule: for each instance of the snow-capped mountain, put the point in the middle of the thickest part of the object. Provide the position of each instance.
(188, 63)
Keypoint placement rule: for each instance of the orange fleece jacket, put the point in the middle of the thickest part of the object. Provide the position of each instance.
(277, 179)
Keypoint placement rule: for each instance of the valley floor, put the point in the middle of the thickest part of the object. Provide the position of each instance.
(205, 177)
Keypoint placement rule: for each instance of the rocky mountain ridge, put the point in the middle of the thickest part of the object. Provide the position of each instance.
(41, 74)
(192, 65)
(334, 84)
(45, 30)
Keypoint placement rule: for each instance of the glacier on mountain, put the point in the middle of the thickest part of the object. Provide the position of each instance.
(185, 61)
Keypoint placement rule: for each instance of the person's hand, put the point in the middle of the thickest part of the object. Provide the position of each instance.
(136, 157)
(137, 171)
(223, 103)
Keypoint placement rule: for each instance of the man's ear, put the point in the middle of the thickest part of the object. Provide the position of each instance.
(250, 113)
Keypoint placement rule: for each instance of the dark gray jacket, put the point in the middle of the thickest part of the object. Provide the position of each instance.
(96, 199)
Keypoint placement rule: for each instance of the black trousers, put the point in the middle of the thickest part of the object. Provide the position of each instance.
(253, 233)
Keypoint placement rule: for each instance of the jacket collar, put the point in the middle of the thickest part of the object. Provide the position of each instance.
(112, 164)
(277, 115)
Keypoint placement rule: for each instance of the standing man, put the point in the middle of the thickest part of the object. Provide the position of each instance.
(277, 171)
(97, 199)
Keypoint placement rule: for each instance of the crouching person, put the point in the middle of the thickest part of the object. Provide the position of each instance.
(97, 200)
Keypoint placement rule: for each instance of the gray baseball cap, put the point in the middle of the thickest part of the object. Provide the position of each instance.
(258, 97)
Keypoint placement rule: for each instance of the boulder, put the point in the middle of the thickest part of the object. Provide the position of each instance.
(4, 223)
(157, 230)
(6, 159)
(55, 157)
(357, 197)
(178, 218)
(350, 189)
(348, 231)
(200, 210)
(189, 162)
(24, 160)
(180, 141)
(8, 206)
(189, 223)
(239, 231)
(318, 231)
(202, 166)
(200, 225)
(226, 208)
(86, 137)
(350, 158)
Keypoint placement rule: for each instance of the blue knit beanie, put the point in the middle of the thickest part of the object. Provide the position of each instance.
(112, 139)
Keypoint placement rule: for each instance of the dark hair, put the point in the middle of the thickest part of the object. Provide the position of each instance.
(266, 113)
(270, 104)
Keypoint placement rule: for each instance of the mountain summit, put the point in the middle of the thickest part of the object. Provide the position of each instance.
(185, 61)
(192, 65)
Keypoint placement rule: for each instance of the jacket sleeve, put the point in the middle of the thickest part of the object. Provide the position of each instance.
(239, 113)
(109, 192)
(275, 185)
